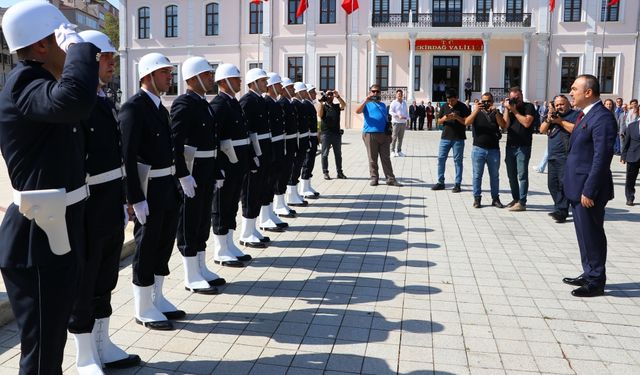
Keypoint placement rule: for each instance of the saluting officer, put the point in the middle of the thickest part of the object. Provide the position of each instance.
(280, 206)
(105, 222)
(236, 160)
(276, 119)
(306, 191)
(299, 93)
(195, 141)
(151, 190)
(42, 236)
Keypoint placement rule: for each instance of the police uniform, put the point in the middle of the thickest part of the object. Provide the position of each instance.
(304, 146)
(42, 144)
(309, 162)
(291, 147)
(279, 160)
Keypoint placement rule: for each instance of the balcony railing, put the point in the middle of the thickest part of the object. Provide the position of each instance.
(453, 19)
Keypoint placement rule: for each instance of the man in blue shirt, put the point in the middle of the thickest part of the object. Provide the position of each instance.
(376, 140)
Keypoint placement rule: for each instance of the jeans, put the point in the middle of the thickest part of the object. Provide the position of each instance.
(491, 157)
(331, 140)
(517, 162)
(543, 163)
(443, 154)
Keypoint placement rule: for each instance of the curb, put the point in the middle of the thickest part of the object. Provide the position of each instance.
(6, 314)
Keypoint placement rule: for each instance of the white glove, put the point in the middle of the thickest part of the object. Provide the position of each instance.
(142, 211)
(189, 186)
(257, 161)
(126, 215)
(219, 184)
(66, 36)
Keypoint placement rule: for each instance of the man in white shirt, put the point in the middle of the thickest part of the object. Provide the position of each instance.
(399, 115)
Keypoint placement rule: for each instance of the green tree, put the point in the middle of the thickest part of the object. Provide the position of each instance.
(112, 29)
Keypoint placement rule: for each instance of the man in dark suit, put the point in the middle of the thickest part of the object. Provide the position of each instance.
(43, 101)
(588, 184)
(413, 115)
(421, 112)
(630, 156)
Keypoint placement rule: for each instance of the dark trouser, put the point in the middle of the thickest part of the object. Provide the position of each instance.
(630, 183)
(429, 122)
(252, 192)
(296, 169)
(379, 144)
(273, 172)
(413, 123)
(554, 182)
(194, 214)
(421, 123)
(225, 201)
(589, 224)
(154, 239)
(98, 280)
(331, 140)
(284, 174)
(467, 95)
(41, 299)
(517, 162)
(310, 159)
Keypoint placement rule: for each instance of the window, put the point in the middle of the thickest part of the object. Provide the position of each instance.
(606, 71)
(476, 73)
(609, 13)
(572, 10)
(409, 5)
(212, 19)
(173, 89)
(327, 73)
(293, 9)
(514, 11)
(447, 13)
(512, 71)
(382, 72)
(381, 10)
(568, 73)
(144, 26)
(327, 11)
(171, 21)
(214, 90)
(483, 9)
(416, 73)
(295, 69)
(255, 18)
(255, 65)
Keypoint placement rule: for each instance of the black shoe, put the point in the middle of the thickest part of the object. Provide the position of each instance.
(230, 263)
(244, 258)
(162, 325)
(290, 215)
(394, 182)
(174, 315)
(552, 213)
(210, 290)
(265, 239)
(496, 203)
(257, 245)
(131, 361)
(341, 176)
(373, 182)
(588, 290)
(512, 203)
(559, 217)
(326, 176)
(476, 202)
(273, 229)
(303, 204)
(576, 281)
(217, 282)
(456, 188)
(629, 203)
(438, 186)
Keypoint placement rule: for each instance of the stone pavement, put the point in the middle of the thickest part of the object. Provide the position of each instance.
(386, 280)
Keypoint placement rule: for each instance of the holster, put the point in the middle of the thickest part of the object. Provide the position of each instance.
(47, 208)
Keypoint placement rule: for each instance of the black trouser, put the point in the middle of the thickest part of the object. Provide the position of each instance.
(226, 199)
(194, 214)
(285, 173)
(413, 123)
(253, 185)
(420, 123)
(310, 158)
(278, 163)
(467, 95)
(589, 224)
(554, 182)
(331, 140)
(296, 169)
(630, 183)
(154, 239)
(41, 299)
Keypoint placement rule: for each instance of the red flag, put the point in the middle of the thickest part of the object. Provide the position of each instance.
(552, 5)
(301, 8)
(612, 3)
(349, 5)
(258, 2)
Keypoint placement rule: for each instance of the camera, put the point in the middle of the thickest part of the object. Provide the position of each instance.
(513, 101)
(323, 97)
(555, 114)
(485, 104)
(376, 97)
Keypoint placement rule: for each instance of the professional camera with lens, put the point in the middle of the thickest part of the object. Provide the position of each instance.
(485, 104)
(513, 101)
(555, 114)
(323, 97)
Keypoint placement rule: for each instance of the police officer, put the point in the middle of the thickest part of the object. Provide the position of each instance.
(193, 130)
(42, 236)
(151, 190)
(105, 221)
(306, 190)
(280, 206)
(304, 145)
(236, 160)
(279, 161)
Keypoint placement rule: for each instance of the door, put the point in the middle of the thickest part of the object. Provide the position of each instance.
(446, 75)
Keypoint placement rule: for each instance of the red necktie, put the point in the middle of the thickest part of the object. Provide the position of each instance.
(580, 116)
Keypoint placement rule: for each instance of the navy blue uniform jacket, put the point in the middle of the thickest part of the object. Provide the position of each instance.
(631, 143)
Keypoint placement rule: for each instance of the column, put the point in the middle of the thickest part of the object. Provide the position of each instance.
(372, 70)
(546, 67)
(485, 61)
(266, 41)
(310, 49)
(123, 52)
(412, 66)
(525, 65)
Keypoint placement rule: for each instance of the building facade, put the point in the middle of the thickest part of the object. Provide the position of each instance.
(423, 46)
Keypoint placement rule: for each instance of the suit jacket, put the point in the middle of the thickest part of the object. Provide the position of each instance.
(631, 143)
(233, 126)
(43, 146)
(254, 107)
(588, 168)
(421, 111)
(275, 116)
(413, 111)
(291, 125)
(303, 124)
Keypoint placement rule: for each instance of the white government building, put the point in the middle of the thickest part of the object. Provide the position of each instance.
(417, 45)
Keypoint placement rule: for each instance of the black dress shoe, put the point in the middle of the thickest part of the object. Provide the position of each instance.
(290, 215)
(496, 203)
(257, 245)
(577, 281)
(244, 258)
(282, 225)
(373, 182)
(274, 229)
(456, 188)
(131, 361)
(589, 290)
(394, 183)
(229, 263)
(438, 186)
(265, 239)
(629, 203)
(162, 325)
(326, 176)
(217, 282)
(175, 315)
(303, 204)
(341, 176)
(210, 290)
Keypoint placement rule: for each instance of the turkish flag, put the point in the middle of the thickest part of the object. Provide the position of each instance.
(257, 1)
(301, 8)
(349, 5)
(552, 5)
(612, 3)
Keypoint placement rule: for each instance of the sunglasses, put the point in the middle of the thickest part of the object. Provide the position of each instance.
(375, 91)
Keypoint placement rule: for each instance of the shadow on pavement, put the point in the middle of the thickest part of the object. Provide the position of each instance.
(340, 263)
(624, 290)
(359, 245)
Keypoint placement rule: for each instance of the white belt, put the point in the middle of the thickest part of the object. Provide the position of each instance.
(291, 136)
(155, 173)
(264, 136)
(314, 134)
(71, 198)
(206, 154)
(277, 138)
(240, 142)
(114, 174)
(302, 135)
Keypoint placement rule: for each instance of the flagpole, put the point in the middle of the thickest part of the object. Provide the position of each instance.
(604, 33)
(546, 84)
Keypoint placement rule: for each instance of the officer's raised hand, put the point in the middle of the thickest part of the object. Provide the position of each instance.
(66, 36)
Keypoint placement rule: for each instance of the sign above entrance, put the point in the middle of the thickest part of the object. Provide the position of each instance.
(449, 44)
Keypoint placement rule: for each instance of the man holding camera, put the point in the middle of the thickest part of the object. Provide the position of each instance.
(487, 130)
(558, 126)
(330, 132)
(519, 117)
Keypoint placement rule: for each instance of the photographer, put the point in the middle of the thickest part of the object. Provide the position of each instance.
(487, 130)
(558, 126)
(330, 132)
